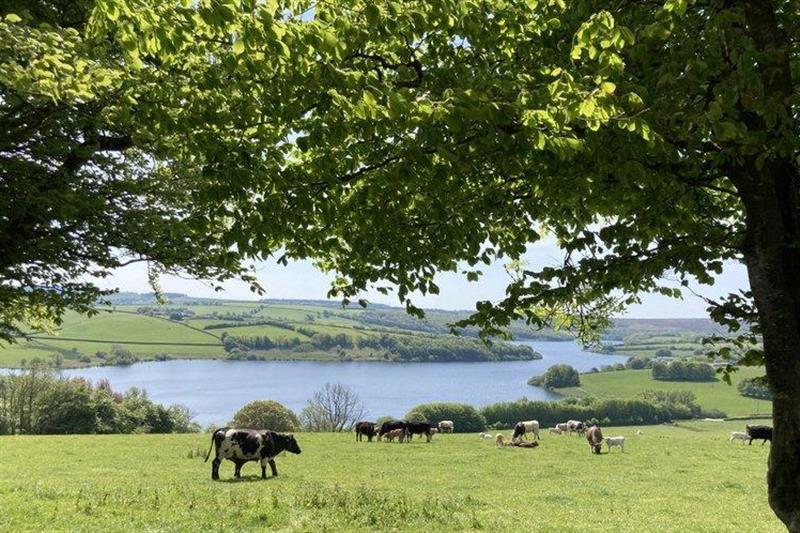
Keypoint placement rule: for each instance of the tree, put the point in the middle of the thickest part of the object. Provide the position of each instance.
(391, 141)
(559, 376)
(80, 190)
(333, 408)
(265, 414)
(466, 418)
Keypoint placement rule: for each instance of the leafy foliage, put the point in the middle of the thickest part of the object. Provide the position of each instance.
(265, 414)
(683, 371)
(466, 419)
(36, 402)
(556, 377)
(754, 388)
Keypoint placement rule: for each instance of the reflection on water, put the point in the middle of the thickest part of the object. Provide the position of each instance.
(214, 390)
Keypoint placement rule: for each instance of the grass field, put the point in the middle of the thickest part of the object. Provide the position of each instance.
(671, 478)
(710, 395)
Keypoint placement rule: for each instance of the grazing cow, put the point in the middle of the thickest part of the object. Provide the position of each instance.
(391, 425)
(595, 438)
(738, 435)
(243, 445)
(616, 441)
(434, 431)
(521, 428)
(486, 436)
(419, 428)
(555, 431)
(576, 426)
(562, 427)
(639, 432)
(365, 428)
(762, 433)
(398, 433)
(446, 426)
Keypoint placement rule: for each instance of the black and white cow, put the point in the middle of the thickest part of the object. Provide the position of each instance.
(243, 445)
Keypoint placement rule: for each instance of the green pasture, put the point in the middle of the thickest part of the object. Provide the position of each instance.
(710, 395)
(670, 479)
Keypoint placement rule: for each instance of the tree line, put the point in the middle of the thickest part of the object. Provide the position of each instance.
(35, 401)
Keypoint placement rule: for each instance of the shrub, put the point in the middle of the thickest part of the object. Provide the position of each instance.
(663, 352)
(266, 414)
(754, 388)
(683, 371)
(556, 377)
(466, 418)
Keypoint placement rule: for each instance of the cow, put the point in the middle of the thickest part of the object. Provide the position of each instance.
(390, 425)
(522, 428)
(738, 435)
(486, 436)
(446, 426)
(555, 431)
(562, 427)
(595, 437)
(616, 441)
(365, 428)
(576, 426)
(420, 428)
(762, 433)
(243, 445)
(398, 433)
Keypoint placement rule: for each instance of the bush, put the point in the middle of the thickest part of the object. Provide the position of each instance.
(65, 407)
(663, 352)
(466, 418)
(754, 388)
(683, 371)
(559, 376)
(266, 414)
(651, 407)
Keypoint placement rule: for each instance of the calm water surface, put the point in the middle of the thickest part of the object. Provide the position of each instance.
(214, 390)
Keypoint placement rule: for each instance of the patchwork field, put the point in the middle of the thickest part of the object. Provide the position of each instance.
(670, 478)
(710, 395)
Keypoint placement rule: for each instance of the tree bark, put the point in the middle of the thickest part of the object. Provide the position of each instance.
(773, 265)
(771, 197)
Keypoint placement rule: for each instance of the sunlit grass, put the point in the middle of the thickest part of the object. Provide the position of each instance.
(684, 478)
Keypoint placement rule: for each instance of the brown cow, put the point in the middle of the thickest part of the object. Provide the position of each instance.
(595, 438)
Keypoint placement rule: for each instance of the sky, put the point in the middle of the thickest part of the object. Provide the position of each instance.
(301, 280)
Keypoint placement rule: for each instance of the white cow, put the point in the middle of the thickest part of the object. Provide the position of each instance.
(739, 435)
(556, 431)
(446, 426)
(616, 441)
(522, 428)
(562, 426)
(486, 436)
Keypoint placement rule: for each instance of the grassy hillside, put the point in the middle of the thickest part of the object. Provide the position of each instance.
(710, 395)
(194, 328)
(670, 479)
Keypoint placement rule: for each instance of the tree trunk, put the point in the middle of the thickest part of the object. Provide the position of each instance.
(771, 196)
(773, 265)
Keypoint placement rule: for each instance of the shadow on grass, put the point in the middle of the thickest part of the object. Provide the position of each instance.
(244, 479)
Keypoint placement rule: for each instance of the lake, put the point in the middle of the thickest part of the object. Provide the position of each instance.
(215, 390)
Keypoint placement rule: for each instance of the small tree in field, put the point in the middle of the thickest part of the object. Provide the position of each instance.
(334, 408)
(266, 414)
(558, 376)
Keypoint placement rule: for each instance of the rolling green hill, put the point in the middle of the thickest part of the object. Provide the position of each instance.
(135, 329)
(710, 395)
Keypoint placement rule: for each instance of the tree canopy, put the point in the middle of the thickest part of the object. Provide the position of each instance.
(393, 140)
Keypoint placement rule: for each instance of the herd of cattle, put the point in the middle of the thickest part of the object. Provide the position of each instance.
(243, 445)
